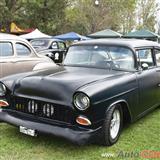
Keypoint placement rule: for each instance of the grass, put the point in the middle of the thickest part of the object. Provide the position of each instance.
(142, 135)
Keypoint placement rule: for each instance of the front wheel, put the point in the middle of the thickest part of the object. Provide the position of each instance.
(112, 125)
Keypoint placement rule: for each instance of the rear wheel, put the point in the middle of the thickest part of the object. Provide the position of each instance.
(112, 125)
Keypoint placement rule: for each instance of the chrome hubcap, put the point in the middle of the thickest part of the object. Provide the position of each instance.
(115, 124)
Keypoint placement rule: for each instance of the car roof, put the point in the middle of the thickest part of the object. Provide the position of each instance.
(132, 43)
(51, 39)
(5, 36)
(11, 37)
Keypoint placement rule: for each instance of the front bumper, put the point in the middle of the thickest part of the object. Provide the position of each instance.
(72, 133)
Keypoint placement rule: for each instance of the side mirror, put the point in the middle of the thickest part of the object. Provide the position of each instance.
(145, 66)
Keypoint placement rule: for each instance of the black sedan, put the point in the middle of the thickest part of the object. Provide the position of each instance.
(101, 85)
(53, 48)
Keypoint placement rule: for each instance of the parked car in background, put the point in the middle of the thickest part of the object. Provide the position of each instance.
(53, 48)
(101, 85)
(17, 55)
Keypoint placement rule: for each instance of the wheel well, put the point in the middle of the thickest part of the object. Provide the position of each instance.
(126, 113)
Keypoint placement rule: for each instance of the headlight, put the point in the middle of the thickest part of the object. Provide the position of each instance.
(2, 90)
(81, 101)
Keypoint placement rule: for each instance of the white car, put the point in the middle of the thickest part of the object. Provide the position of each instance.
(17, 56)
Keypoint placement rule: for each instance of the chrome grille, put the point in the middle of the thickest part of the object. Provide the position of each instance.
(32, 106)
(42, 109)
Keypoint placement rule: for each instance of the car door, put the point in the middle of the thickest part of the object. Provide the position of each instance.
(6, 58)
(25, 60)
(147, 79)
(157, 59)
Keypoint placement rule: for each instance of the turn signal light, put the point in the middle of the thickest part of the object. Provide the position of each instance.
(3, 103)
(83, 121)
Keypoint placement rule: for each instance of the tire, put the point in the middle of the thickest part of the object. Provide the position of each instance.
(111, 136)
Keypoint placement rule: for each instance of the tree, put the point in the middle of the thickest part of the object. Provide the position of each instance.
(146, 14)
(10, 11)
(82, 16)
(47, 15)
(86, 17)
(126, 17)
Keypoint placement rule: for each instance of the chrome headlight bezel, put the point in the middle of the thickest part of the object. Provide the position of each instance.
(81, 101)
(3, 90)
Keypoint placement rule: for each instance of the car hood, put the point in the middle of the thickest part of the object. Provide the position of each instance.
(57, 85)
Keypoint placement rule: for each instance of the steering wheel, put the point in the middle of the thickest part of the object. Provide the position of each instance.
(116, 65)
(105, 64)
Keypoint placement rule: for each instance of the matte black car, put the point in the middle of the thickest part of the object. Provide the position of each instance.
(53, 48)
(101, 85)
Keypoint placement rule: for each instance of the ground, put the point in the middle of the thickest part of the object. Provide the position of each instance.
(135, 138)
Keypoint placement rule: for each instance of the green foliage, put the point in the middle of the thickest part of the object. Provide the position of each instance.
(82, 16)
(47, 15)
(146, 14)
(10, 11)
(118, 15)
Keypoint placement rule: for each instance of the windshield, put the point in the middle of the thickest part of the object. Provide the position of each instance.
(40, 43)
(100, 57)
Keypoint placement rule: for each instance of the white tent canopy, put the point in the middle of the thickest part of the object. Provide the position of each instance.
(35, 34)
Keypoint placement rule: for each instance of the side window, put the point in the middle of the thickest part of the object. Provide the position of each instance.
(157, 54)
(22, 50)
(61, 45)
(6, 49)
(54, 45)
(144, 57)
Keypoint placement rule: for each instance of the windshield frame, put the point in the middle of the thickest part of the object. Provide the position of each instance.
(97, 67)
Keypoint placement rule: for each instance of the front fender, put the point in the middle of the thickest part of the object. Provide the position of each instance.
(45, 65)
(104, 94)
